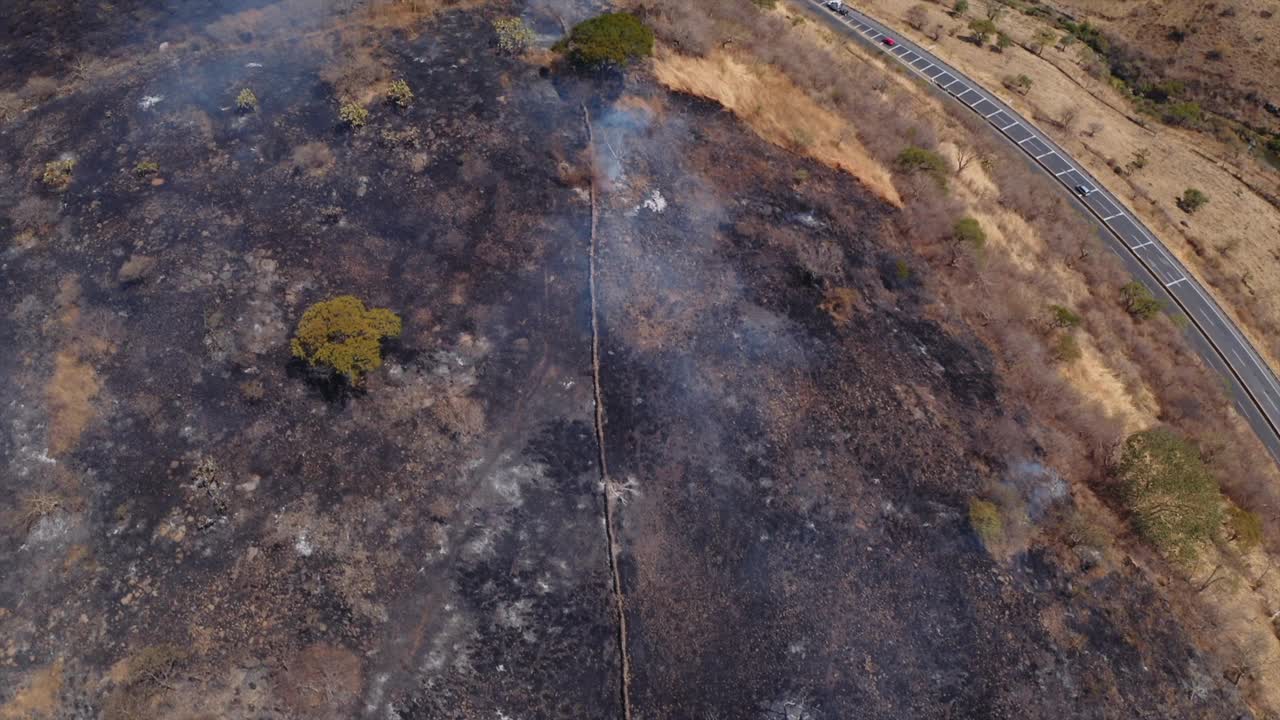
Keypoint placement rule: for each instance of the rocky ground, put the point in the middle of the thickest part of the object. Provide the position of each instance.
(199, 529)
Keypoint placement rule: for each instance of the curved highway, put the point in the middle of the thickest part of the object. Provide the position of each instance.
(1253, 384)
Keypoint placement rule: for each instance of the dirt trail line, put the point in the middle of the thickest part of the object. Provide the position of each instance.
(605, 483)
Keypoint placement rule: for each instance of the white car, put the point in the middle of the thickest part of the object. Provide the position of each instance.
(1083, 190)
(838, 6)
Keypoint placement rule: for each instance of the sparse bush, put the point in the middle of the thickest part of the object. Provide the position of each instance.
(146, 168)
(1172, 497)
(246, 101)
(765, 4)
(1020, 84)
(353, 115)
(916, 159)
(1138, 301)
(399, 94)
(1184, 113)
(1063, 317)
(961, 7)
(984, 518)
(980, 29)
(918, 16)
(967, 231)
(612, 39)
(1066, 348)
(150, 673)
(344, 336)
(1192, 200)
(1003, 42)
(514, 35)
(57, 174)
(1246, 527)
(1043, 38)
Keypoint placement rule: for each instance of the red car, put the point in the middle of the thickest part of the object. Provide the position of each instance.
(889, 41)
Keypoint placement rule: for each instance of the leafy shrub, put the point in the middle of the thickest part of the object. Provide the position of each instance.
(146, 168)
(1066, 349)
(967, 231)
(353, 114)
(984, 518)
(1172, 497)
(1020, 84)
(916, 159)
(341, 334)
(1185, 113)
(1246, 527)
(514, 35)
(610, 39)
(400, 94)
(1063, 317)
(57, 174)
(765, 4)
(961, 7)
(1003, 41)
(981, 29)
(1138, 300)
(1192, 200)
(246, 101)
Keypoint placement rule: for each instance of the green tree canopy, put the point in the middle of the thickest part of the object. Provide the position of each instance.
(609, 39)
(343, 335)
(1172, 497)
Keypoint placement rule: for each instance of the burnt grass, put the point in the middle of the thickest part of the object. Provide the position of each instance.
(792, 485)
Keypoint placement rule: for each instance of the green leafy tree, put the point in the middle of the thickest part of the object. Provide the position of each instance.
(1246, 527)
(612, 39)
(353, 115)
(1066, 349)
(400, 94)
(961, 7)
(1043, 38)
(1003, 41)
(57, 174)
(1138, 300)
(984, 518)
(914, 159)
(247, 101)
(344, 336)
(1173, 499)
(1063, 317)
(1192, 200)
(967, 231)
(514, 35)
(980, 29)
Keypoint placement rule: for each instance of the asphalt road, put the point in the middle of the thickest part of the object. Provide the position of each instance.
(1253, 384)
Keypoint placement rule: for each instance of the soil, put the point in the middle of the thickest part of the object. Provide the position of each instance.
(203, 528)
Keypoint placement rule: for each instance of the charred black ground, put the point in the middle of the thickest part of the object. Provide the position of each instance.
(791, 481)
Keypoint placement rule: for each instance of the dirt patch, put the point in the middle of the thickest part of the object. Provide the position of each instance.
(70, 394)
(775, 108)
(322, 682)
(38, 697)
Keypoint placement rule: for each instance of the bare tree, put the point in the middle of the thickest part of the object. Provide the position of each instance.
(994, 10)
(1067, 119)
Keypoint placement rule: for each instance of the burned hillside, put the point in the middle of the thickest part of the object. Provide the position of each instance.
(199, 526)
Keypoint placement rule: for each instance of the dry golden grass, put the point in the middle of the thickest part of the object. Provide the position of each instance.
(38, 698)
(777, 110)
(70, 393)
(1230, 245)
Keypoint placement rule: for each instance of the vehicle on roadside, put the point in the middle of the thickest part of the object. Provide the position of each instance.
(838, 6)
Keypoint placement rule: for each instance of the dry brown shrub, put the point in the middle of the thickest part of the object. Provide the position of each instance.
(70, 394)
(314, 158)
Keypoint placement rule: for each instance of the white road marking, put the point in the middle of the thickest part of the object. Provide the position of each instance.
(1113, 217)
(1139, 247)
(1175, 282)
(1064, 172)
(1029, 137)
(1006, 127)
(988, 117)
(1046, 153)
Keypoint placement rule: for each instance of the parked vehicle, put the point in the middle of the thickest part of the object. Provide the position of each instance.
(838, 6)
